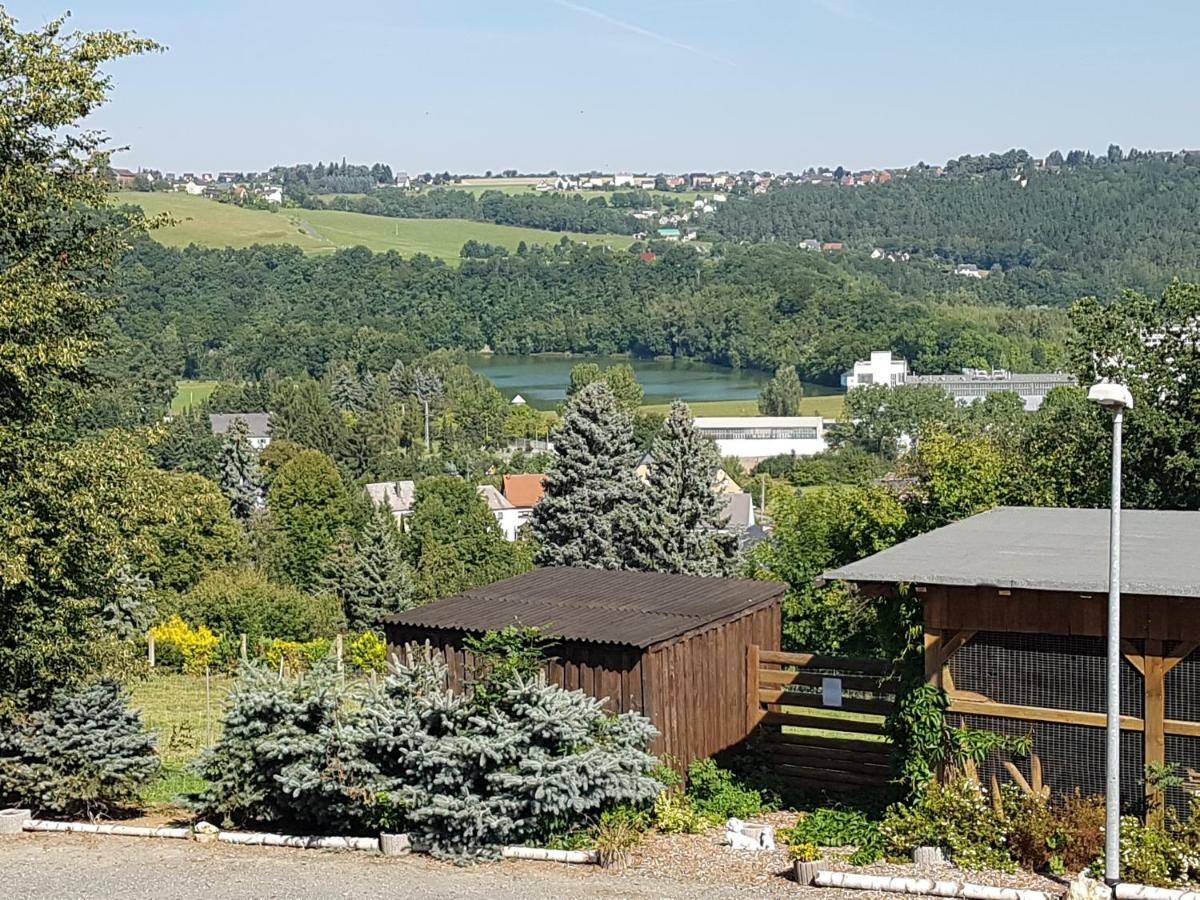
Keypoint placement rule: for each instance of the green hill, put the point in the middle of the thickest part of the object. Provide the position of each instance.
(211, 224)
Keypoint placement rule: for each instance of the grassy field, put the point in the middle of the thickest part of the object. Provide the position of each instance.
(828, 406)
(185, 711)
(211, 224)
(436, 237)
(191, 393)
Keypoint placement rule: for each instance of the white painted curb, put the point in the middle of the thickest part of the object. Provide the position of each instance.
(1125, 891)
(926, 886)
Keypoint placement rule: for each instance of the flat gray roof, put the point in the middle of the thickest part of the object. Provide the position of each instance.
(1046, 549)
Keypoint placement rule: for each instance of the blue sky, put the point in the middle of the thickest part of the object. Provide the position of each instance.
(469, 85)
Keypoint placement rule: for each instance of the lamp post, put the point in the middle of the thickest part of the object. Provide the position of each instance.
(1116, 399)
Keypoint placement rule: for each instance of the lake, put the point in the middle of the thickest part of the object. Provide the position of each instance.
(543, 380)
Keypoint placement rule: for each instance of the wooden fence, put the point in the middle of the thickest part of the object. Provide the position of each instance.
(821, 719)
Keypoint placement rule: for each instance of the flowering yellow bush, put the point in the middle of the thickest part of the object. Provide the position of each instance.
(368, 652)
(195, 646)
(296, 656)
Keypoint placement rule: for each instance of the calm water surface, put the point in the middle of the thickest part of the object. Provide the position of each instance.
(543, 380)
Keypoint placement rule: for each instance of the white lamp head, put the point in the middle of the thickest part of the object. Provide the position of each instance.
(1111, 396)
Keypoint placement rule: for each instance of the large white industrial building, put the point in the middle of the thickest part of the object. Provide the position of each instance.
(754, 438)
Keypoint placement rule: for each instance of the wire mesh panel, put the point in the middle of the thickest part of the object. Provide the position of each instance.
(1182, 689)
(1049, 671)
(1072, 756)
(1053, 672)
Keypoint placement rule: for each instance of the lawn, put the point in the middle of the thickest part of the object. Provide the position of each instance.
(211, 224)
(435, 237)
(829, 406)
(189, 394)
(185, 711)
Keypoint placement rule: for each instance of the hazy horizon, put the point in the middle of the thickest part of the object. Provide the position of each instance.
(620, 86)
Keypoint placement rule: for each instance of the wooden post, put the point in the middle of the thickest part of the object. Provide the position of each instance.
(753, 710)
(933, 658)
(337, 647)
(150, 648)
(1154, 738)
(244, 655)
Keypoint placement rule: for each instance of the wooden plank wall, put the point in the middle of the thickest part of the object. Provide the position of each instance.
(693, 688)
(811, 752)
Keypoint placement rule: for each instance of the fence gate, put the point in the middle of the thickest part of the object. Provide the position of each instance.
(821, 719)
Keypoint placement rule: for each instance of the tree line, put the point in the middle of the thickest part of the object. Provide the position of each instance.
(1048, 235)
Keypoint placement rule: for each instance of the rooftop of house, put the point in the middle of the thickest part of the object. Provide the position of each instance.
(396, 495)
(524, 490)
(1016, 378)
(1049, 549)
(736, 509)
(637, 609)
(493, 498)
(258, 425)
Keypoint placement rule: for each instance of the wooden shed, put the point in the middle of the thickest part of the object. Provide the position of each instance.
(670, 646)
(1015, 617)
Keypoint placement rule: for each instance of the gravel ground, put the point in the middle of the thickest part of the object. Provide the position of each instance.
(666, 866)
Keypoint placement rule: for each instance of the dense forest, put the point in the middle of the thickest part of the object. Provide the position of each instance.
(243, 313)
(1054, 233)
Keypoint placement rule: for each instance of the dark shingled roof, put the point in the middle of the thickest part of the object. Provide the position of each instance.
(1046, 549)
(635, 609)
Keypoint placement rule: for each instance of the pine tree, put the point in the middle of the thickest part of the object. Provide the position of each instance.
(346, 391)
(467, 781)
(592, 499)
(239, 477)
(279, 757)
(371, 577)
(782, 394)
(130, 611)
(86, 753)
(680, 528)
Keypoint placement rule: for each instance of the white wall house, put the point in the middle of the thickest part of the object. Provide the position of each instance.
(258, 426)
(753, 438)
(510, 518)
(881, 368)
(272, 193)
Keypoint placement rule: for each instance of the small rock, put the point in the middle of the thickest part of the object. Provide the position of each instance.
(1086, 888)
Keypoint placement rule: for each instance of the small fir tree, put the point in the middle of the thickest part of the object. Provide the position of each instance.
(239, 477)
(86, 753)
(587, 515)
(129, 612)
(371, 577)
(346, 391)
(427, 386)
(680, 528)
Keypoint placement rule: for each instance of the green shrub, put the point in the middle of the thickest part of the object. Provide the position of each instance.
(86, 753)
(1151, 854)
(675, 814)
(617, 833)
(296, 657)
(832, 827)
(718, 795)
(1062, 835)
(244, 601)
(957, 817)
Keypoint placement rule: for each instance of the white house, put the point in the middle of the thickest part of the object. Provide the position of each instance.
(194, 189)
(402, 180)
(969, 270)
(272, 193)
(881, 368)
(258, 426)
(509, 517)
(754, 438)
(623, 179)
(397, 496)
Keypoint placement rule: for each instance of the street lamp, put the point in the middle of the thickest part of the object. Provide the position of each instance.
(1115, 398)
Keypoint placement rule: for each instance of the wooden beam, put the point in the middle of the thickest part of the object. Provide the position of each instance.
(824, 723)
(959, 704)
(861, 666)
(868, 683)
(753, 709)
(1154, 701)
(1178, 654)
(1177, 726)
(933, 658)
(1137, 660)
(849, 704)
